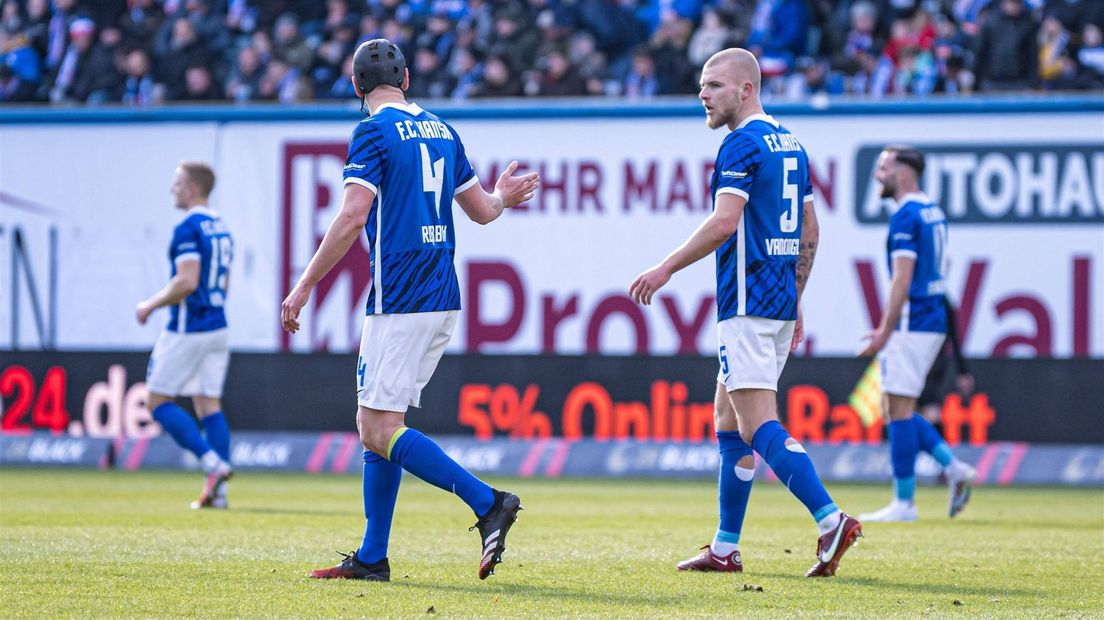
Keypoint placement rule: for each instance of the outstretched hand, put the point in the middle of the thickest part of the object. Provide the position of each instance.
(516, 190)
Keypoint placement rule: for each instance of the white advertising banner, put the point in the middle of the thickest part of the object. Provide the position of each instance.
(86, 217)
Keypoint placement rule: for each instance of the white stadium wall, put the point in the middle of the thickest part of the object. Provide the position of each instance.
(86, 216)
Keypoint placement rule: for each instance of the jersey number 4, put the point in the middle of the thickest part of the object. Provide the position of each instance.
(433, 177)
(788, 222)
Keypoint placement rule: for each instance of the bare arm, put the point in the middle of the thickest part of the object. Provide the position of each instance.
(510, 191)
(340, 236)
(713, 232)
(903, 267)
(810, 239)
(178, 288)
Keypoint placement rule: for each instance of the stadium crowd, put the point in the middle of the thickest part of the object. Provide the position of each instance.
(143, 52)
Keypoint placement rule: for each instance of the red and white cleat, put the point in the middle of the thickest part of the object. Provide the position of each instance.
(709, 561)
(832, 546)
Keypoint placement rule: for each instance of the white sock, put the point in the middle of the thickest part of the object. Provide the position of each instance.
(723, 549)
(829, 523)
(957, 469)
(210, 460)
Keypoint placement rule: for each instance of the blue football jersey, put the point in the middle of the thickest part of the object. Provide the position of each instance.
(415, 164)
(204, 237)
(763, 163)
(919, 230)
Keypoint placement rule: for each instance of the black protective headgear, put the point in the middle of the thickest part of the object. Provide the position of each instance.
(376, 62)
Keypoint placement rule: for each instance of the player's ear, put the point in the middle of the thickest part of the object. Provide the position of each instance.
(356, 87)
(406, 79)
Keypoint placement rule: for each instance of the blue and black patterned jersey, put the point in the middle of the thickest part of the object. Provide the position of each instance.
(201, 236)
(415, 164)
(763, 163)
(919, 230)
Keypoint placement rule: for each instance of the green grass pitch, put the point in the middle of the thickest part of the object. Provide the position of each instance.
(100, 544)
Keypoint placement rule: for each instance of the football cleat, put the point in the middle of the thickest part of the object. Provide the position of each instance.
(353, 568)
(212, 485)
(960, 481)
(896, 512)
(493, 527)
(709, 561)
(832, 545)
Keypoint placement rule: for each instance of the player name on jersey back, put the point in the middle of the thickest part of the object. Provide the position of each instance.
(781, 142)
(783, 247)
(412, 129)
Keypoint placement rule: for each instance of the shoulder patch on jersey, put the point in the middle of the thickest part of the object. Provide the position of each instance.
(732, 174)
(902, 236)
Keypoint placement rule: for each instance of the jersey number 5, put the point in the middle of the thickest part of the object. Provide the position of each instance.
(433, 177)
(788, 221)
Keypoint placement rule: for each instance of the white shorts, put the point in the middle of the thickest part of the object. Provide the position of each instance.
(906, 360)
(398, 354)
(753, 352)
(189, 364)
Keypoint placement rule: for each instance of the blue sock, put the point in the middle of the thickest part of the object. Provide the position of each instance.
(794, 468)
(422, 457)
(931, 441)
(182, 427)
(904, 445)
(732, 490)
(218, 434)
(381, 489)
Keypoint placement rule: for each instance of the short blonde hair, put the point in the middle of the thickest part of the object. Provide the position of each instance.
(200, 174)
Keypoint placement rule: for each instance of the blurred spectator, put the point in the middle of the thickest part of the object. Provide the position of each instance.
(139, 87)
(464, 48)
(557, 78)
(428, 78)
(342, 88)
(641, 81)
(283, 83)
(712, 37)
(512, 40)
(289, 45)
(499, 80)
(669, 50)
(183, 50)
(1053, 43)
(199, 86)
(467, 71)
(245, 79)
(1091, 54)
(589, 63)
(19, 68)
(87, 71)
(140, 23)
(1007, 56)
(779, 34)
(58, 32)
(36, 26)
(209, 26)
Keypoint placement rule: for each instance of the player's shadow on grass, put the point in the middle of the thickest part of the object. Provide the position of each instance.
(673, 599)
(927, 588)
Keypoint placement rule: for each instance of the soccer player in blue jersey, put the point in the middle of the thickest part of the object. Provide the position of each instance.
(192, 353)
(912, 332)
(405, 167)
(764, 232)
